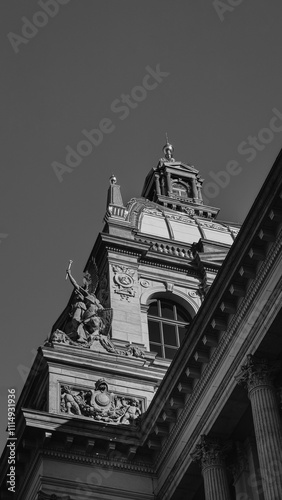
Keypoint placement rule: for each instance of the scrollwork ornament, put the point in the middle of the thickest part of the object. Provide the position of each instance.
(144, 283)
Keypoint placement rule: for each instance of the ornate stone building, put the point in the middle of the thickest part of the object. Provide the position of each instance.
(161, 380)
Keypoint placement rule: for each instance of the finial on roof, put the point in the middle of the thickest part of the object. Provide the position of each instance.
(168, 150)
(114, 194)
(113, 179)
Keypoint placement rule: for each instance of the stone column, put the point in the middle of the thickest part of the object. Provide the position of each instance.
(211, 453)
(194, 189)
(158, 186)
(256, 377)
(169, 184)
(199, 187)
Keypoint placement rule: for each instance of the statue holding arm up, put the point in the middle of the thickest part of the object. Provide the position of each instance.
(87, 309)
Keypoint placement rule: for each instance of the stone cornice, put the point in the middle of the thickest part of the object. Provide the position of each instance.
(82, 360)
(107, 241)
(153, 260)
(79, 425)
(77, 457)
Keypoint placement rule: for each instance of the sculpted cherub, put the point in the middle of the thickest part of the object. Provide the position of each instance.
(132, 411)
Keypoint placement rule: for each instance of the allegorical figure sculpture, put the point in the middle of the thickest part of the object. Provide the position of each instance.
(87, 324)
(86, 314)
(100, 404)
(132, 411)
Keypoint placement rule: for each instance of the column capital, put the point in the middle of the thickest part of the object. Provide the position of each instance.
(210, 452)
(256, 372)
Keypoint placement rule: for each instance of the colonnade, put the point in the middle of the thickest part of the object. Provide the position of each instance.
(256, 376)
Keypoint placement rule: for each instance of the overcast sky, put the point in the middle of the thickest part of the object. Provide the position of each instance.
(214, 86)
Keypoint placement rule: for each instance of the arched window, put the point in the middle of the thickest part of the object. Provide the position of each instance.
(167, 323)
(182, 190)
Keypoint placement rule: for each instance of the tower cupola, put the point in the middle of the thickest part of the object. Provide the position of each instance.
(176, 185)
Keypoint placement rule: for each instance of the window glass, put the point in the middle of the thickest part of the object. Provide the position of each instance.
(167, 325)
(153, 309)
(170, 352)
(182, 332)
(181, 314)
(167, 310)
(156, 348)
(154, 329)
(170, 336)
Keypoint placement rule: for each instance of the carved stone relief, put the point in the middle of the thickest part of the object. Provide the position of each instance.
(153, 211)
(124, 281)
(180, 218)
(100, 405)
(212, 225)
(188, 211)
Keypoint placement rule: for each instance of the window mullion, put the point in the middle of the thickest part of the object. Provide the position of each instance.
(159, 308)
(162, 338)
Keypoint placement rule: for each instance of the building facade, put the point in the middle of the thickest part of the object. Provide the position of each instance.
(161, 379)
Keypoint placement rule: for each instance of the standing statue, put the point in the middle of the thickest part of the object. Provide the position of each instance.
(87, 311)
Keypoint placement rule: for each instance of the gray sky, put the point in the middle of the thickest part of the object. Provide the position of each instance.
(222, 80)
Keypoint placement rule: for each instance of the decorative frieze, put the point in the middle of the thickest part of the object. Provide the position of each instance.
(180, 218)
(212, 225)
(153, 211)
(100, 405)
